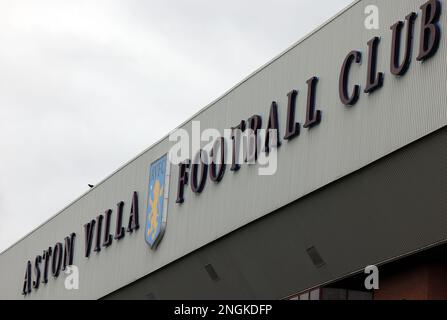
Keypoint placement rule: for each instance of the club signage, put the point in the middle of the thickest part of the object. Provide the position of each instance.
(56, 259)
(196, 173)
(98, 232)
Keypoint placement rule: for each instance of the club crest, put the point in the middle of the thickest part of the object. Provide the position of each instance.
(156, 216)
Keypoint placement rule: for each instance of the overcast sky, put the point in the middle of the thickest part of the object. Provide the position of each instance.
(87, 85)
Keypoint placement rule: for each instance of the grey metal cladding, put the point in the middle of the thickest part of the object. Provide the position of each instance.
(387, 210)
(404, 110)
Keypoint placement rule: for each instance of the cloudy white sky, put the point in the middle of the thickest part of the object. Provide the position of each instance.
(86, 85)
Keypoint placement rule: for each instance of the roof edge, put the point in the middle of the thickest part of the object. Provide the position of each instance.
(258, 70)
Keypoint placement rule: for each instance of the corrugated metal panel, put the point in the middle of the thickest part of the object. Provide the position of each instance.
(383, 212)
(347, 139)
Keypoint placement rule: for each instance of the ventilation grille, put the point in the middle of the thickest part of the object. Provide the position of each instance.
(315, 257)
(212, 272)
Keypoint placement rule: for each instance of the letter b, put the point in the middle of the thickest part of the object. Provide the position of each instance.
(430, 31)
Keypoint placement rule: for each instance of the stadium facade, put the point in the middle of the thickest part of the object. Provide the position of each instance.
(360, 179)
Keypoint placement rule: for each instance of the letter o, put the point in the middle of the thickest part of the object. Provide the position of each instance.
(57, 260)
(197, 185)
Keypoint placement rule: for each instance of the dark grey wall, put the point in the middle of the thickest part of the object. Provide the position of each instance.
(394, 206)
